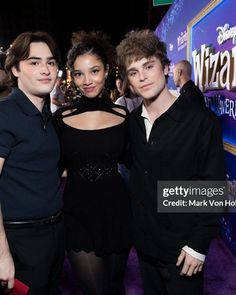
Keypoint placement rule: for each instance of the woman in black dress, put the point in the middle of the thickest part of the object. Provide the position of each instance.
(93, 137)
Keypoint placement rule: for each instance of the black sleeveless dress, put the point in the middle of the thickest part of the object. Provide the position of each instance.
(96, 200)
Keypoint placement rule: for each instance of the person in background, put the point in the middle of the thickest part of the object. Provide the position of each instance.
(93, 137)
(4, 88)
(131, 101)
(119, 84)
(57, 96)
(127, 97)
(170, 139)
(31, 225)
(182, 78)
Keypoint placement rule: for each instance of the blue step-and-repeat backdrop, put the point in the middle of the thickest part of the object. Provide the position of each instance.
(204, 32)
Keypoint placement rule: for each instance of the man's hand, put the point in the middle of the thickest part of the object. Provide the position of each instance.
(7, 270)
(191, 265)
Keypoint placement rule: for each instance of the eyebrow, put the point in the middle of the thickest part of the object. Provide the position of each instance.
(149, 61)
(92, 68)
(143, 65)
(39, 58)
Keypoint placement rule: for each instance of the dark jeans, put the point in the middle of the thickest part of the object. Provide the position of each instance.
(38, 254)
(164, 278)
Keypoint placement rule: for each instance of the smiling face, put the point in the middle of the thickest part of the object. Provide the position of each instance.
(147, 77)
(89, 75)
(37, 74)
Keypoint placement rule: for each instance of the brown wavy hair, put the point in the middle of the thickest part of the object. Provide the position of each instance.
(20, 50)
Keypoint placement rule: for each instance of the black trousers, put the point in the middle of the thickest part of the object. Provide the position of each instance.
(161, 278)
(38, 254)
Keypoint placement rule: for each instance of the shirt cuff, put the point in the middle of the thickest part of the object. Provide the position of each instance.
(195, 254)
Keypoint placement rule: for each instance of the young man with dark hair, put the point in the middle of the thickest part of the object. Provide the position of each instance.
(31, 225)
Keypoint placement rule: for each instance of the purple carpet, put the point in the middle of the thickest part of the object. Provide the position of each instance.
(220, 273)
(220, 270)
(133, 284)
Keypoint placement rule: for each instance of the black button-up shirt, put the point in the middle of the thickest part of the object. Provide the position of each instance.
(185, 143)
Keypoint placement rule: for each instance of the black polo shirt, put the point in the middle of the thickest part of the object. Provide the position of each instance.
(29, 182)
(185, 143)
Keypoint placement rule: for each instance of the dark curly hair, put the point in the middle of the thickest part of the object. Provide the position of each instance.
(96, 43)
